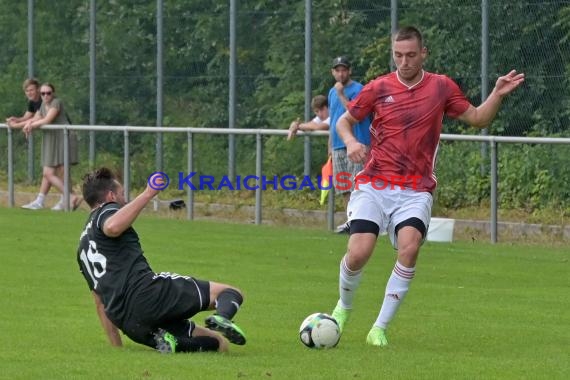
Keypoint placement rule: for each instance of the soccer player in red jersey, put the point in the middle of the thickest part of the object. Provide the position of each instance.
(408, 106)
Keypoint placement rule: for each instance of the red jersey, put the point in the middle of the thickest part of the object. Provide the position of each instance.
(406, 127)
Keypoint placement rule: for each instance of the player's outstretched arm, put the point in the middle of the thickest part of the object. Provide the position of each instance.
(110, 329)
(481, 117)
(126, 216)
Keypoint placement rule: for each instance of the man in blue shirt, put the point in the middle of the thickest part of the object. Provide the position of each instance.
(344, 170)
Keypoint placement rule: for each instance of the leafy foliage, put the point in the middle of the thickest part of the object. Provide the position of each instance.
(530, 36)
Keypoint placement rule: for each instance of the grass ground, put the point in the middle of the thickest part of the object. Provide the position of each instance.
(475, 310)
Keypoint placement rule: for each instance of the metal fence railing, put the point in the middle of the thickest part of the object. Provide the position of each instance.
(493, 141)
(219, 63)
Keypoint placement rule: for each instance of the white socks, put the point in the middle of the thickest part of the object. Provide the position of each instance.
(40, 199)
(396, 289)
(347, 284)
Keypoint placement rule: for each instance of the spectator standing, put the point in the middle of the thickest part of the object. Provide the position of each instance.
(344, 90)
(52, 111)
(31, 88)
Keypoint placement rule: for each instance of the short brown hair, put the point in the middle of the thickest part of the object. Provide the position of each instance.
(408, 33)
(30, 82)
(319, 101)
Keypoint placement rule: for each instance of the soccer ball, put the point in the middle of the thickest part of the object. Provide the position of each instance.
(319, 330)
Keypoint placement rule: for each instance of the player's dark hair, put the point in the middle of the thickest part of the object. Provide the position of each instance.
(408, 33)
(97, 184)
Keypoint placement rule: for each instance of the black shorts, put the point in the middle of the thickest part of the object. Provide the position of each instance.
(167, 301)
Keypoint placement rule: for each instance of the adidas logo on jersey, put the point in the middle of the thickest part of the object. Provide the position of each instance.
(389, 99)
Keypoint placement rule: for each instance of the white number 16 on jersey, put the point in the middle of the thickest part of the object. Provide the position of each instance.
(95, 263)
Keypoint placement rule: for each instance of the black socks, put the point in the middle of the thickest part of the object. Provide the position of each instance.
(228, 303)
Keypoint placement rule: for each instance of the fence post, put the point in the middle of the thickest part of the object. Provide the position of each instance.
(494, 190)
(66, 181)
(331, 208)
(189, 191)
(30, 75)
(308, 82)
(484, 72)
(232, 92)
(159, 83)
(10, 169)
(92, 82)
(393, 26)
(258, 161)
(126, 166)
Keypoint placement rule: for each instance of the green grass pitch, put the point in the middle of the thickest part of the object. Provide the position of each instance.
(474, 311)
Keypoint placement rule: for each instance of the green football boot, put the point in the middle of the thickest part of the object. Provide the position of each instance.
(377, 337)
(227, 328)
(165, 342)
(341, 316)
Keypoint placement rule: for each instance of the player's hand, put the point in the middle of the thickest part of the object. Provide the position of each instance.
(507, 83)
(356, 151)
(155, 184)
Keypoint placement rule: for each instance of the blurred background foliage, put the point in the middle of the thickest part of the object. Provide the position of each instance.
(530, 36)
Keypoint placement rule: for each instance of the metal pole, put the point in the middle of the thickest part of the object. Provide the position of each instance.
(393, 26)
(494, 190)
(308, 80)
(484, 72)
(126, 165)
(330, 209)
(10, 169)
(232, 91)
(92, 92)
(258, 163)
(66, 169)
(31, 75)
(190, 192)
(159, 81)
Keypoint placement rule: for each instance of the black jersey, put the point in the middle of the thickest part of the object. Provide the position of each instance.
(34, 106)
(113, 267)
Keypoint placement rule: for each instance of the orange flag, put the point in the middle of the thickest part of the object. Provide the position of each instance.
(326, 179)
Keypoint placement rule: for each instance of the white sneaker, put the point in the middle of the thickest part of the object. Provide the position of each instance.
(58, 206)
(34, 205)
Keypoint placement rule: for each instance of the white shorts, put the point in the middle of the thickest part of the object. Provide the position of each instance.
(388, 208)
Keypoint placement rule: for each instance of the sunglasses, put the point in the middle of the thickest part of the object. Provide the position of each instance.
(46, 93)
